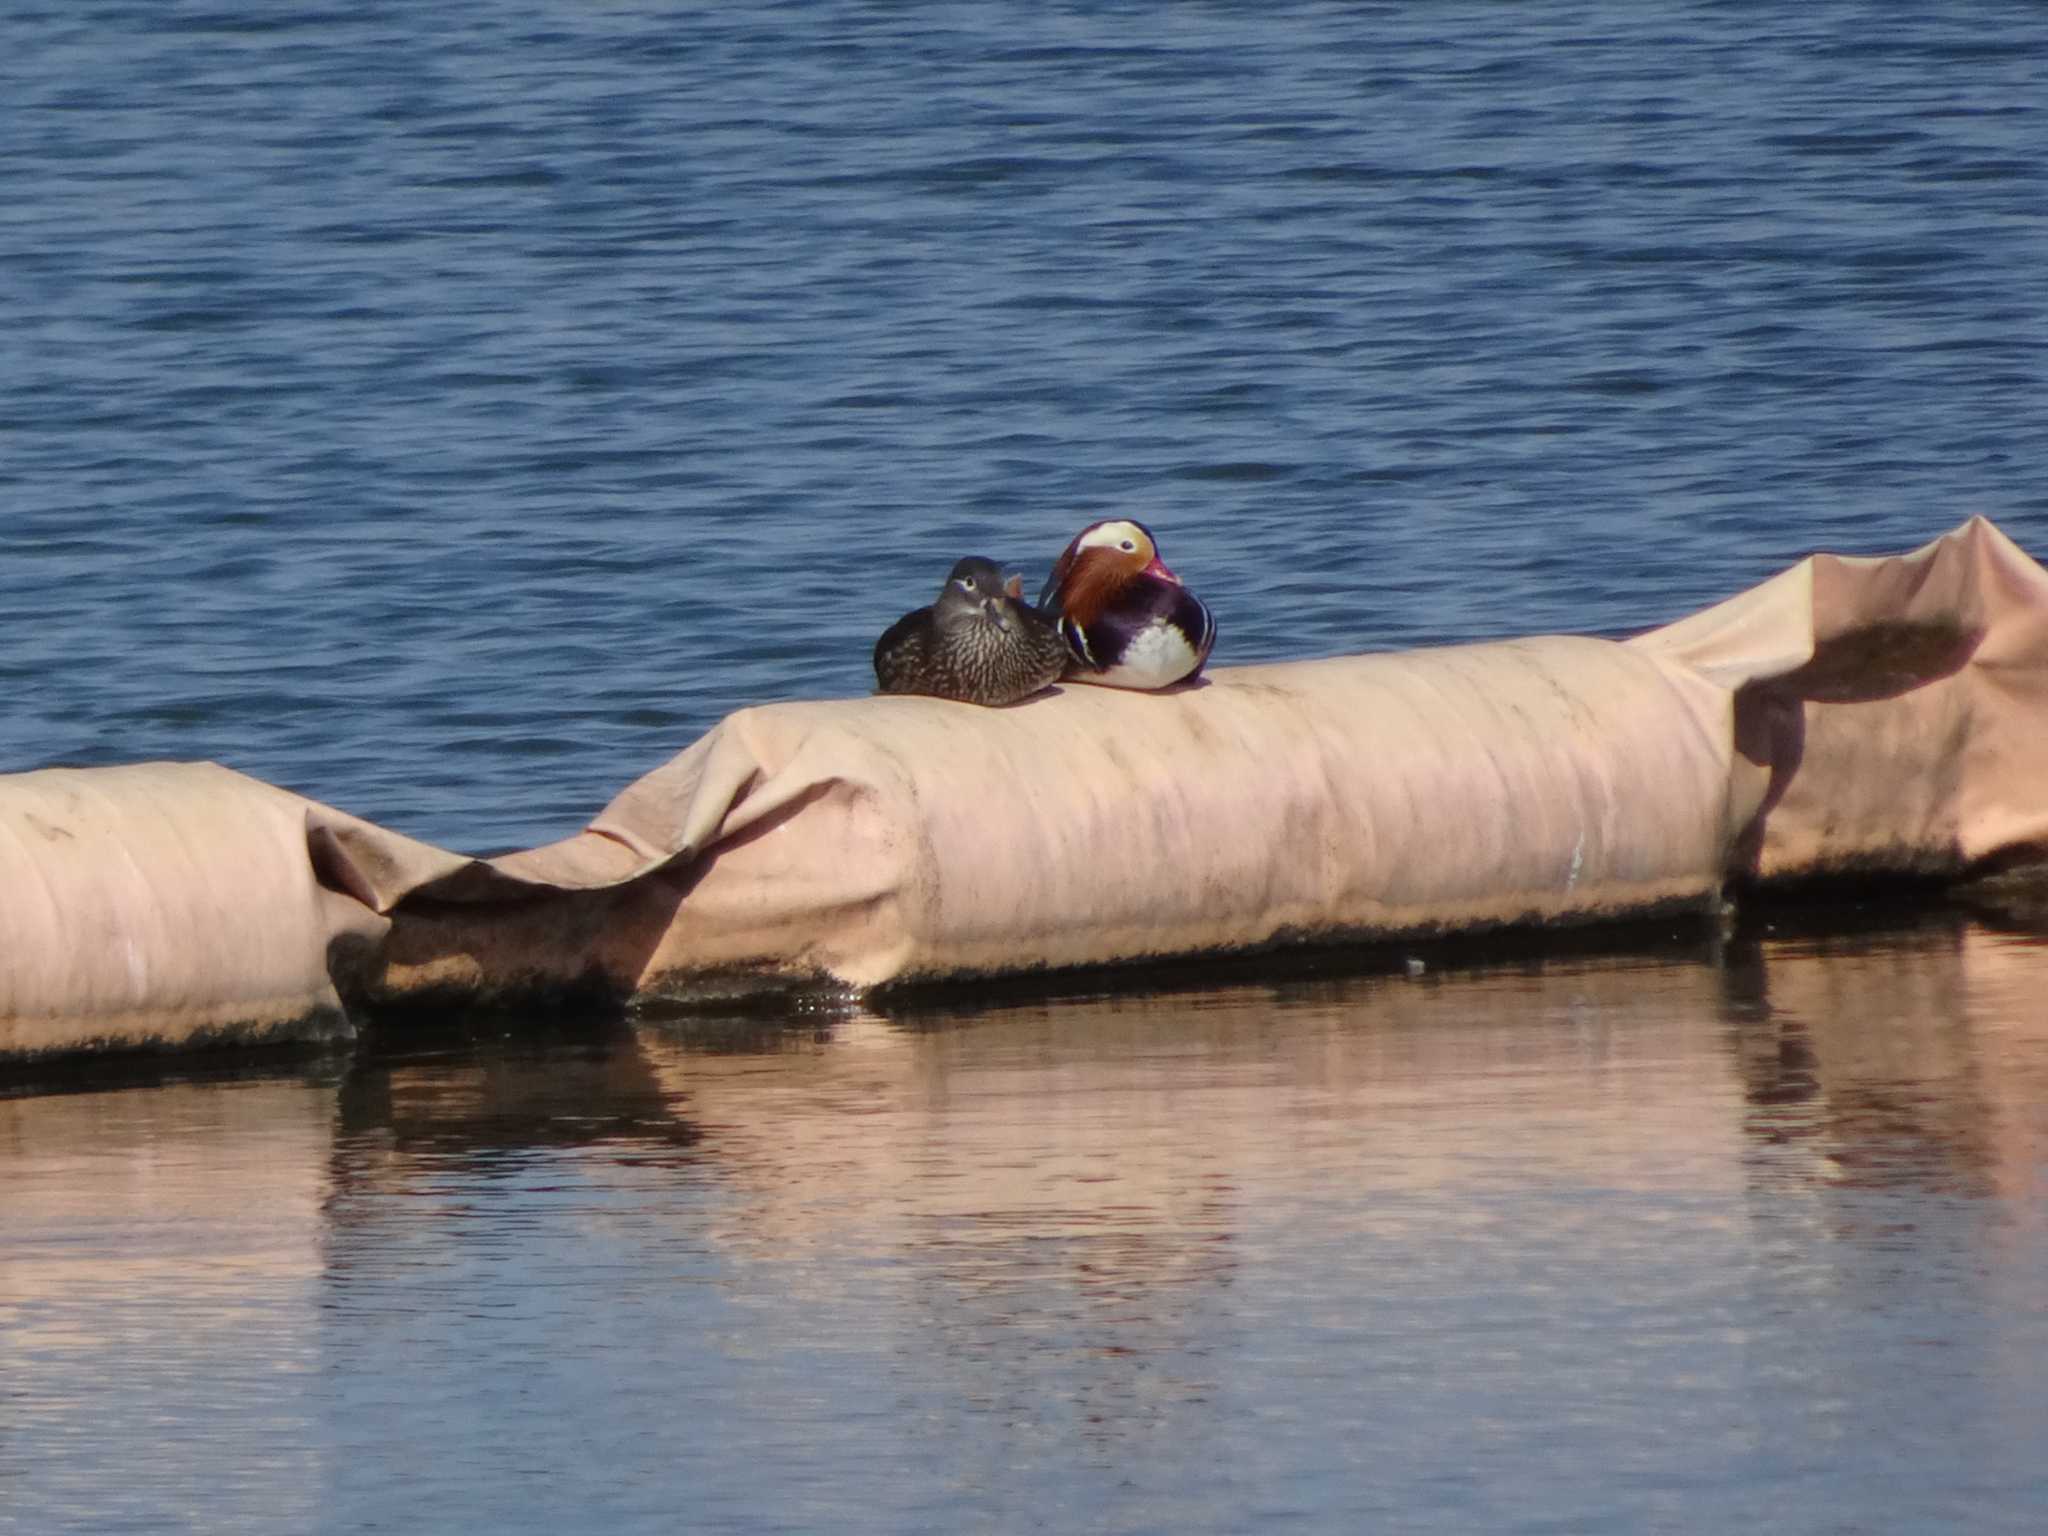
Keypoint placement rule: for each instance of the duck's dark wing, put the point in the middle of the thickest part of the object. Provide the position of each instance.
(903, 654)
(1078, 644)
(1102, 643)
(1195, 620)
(1042, 642)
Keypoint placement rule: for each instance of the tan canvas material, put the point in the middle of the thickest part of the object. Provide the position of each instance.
(1885, 715)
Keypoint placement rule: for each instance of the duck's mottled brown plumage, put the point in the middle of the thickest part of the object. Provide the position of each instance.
(979, 643)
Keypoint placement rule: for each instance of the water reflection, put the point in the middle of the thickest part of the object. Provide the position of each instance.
(1877, 1061)
(1178, 1260)
(1895, 1088)
(482, 1098)
(159, 1264)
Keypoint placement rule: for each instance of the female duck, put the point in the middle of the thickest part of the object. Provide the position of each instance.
(980, 642)
(1127, 618)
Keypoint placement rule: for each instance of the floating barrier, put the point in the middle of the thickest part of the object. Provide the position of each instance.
(1851, 716)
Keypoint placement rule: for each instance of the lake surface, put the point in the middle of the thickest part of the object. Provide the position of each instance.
(1748, 1238)
(452, 416)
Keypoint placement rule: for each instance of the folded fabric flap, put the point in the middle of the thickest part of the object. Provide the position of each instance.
(1912, 737)
(1762, 633)
(658, 820)
(710, 791)
(1851, 629)
(686, 803)
(1884, 626)
(372, 864)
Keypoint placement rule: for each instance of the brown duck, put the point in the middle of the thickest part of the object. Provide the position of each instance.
(980, 642)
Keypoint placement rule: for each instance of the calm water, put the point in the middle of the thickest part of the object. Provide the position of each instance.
(453, 416)
(1690, 1243)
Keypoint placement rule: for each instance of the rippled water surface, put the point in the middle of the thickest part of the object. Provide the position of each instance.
(452, 414)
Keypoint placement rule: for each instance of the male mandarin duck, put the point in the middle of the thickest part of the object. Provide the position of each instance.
(1127, 618)
(980, 642)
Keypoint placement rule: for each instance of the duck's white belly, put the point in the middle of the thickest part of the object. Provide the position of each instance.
(1157, 657)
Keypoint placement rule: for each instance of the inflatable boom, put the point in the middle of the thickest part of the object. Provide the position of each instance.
(1852, 716)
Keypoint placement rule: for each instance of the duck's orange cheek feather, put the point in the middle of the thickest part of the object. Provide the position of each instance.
(1089, 589)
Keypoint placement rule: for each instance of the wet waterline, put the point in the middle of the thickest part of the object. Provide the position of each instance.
(1598, 1243)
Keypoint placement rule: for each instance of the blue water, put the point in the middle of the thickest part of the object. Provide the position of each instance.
(453, 417)
(451, 414)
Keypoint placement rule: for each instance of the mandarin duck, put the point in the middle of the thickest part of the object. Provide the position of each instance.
(980, 642)
(1127, 619)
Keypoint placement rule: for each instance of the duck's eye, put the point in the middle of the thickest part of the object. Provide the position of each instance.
(1128, 547)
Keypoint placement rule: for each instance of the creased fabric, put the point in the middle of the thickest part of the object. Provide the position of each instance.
(1899, 706)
